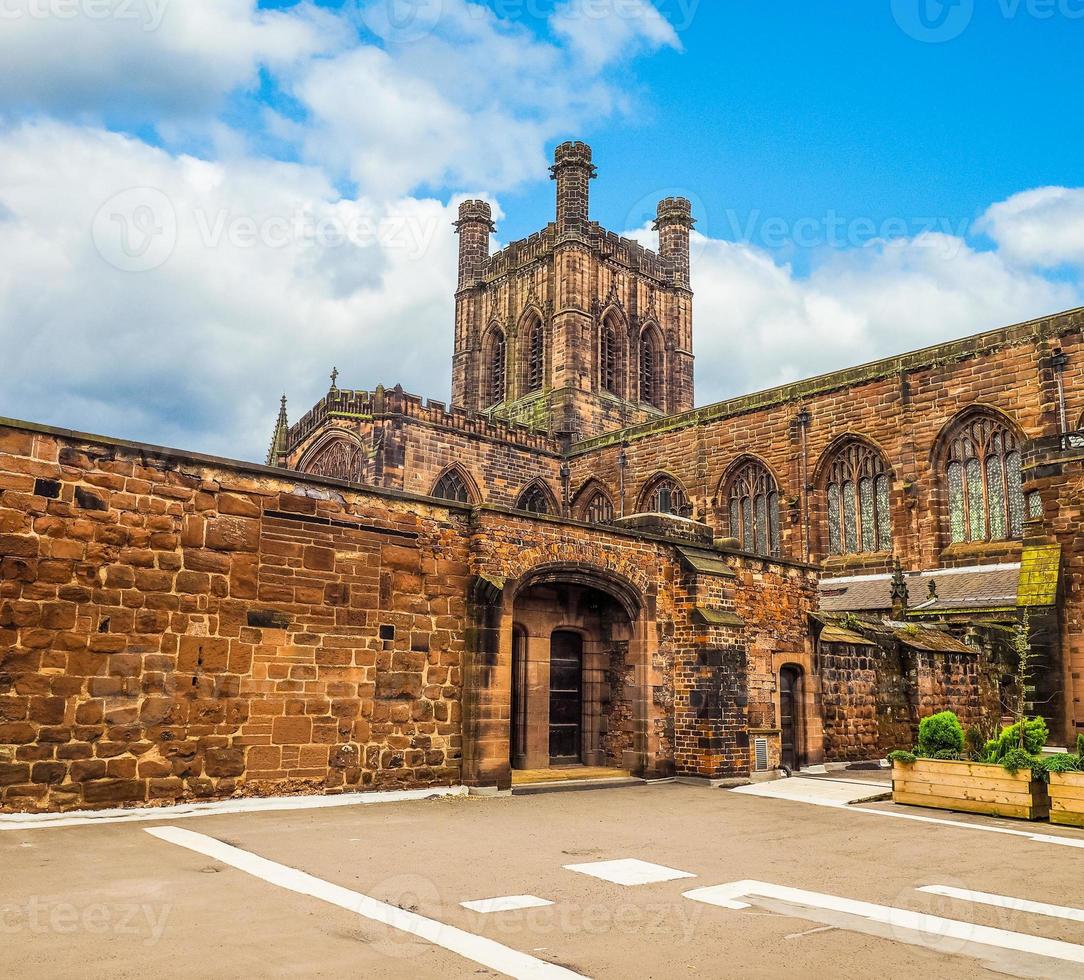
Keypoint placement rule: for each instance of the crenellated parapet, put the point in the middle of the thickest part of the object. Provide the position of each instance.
(383, 404)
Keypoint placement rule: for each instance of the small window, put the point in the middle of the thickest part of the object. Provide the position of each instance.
(452, 486)
(599, 510)
(650, 388)
(535, 500)
(496, 362)
(666, 496)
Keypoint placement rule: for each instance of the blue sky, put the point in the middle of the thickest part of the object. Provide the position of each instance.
(870, 176)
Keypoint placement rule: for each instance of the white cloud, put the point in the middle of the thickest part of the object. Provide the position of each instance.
(464, 98)
(601, 30)
(144, 59)
(757, 324)
(1042, 227)
(196, 351)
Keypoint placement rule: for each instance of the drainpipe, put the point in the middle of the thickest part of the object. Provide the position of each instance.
(1059, 362)
(566, 477)
(622, 465)
(804, 418)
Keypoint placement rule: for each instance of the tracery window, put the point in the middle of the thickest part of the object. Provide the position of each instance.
(607, 358)
(753, 500)
(666, 496)
(339, 460)
(536, 500)
(650, 382)
(496, 367)
(984, 482)
(536, 357)
(859, 502)
(599, 509)
(452, 486)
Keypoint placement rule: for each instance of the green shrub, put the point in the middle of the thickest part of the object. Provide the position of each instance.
(1017, 759)
(940, 733)
(1035, 736)
(1061, 762)
(900, 755)
(1080, 746)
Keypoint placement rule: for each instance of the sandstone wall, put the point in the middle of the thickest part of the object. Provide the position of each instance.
(173, 628)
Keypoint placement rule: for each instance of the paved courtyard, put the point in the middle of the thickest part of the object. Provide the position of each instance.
(657, 881)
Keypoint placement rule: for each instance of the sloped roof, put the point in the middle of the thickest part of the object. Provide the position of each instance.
(978, 587)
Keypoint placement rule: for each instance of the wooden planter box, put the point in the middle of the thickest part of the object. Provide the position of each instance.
(972, 787)
(1067, 798)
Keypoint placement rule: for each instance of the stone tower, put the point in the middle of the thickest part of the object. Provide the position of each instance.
(574, 329)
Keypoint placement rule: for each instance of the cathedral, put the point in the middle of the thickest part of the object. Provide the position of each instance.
(567, 565)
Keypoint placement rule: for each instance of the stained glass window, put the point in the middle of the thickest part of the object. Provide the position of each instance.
(666, 496)
(754, 509)
(452, 486)
(536, 357)
(859, 501)
(985, 483)
(496, 367)
(599, 510)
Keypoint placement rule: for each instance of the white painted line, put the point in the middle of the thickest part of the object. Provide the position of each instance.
(629, 871)
(85, 818)
(958, 824)
(513, 903)
(1004, 902)
(728, 897)
(478, 949)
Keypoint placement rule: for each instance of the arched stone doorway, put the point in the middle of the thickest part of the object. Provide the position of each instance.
(573, 681)
(590, 623)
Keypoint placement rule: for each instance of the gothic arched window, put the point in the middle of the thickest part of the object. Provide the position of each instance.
(536, 356)
(535, 499)
(753, 505)
(339, 460)
(599, 509)
(650, 369)
(452, 486)
(495, 368)
(859, 501)
(664, 495)
(984, 481)
(607, 358)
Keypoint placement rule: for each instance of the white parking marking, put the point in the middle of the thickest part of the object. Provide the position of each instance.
(898, 920)
(513, 903)
(478, 949)
(628, 871)
(959, 824)
(1004, 902)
